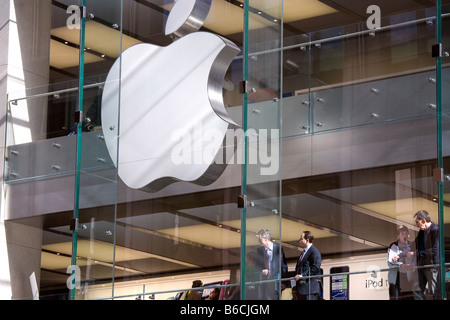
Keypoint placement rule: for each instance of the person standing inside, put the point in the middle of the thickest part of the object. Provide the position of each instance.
(427, 253)
(308, 265)
(272, 264)
(402, 275)
(195, 294)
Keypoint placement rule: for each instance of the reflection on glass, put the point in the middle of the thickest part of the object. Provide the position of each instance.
(340, 128)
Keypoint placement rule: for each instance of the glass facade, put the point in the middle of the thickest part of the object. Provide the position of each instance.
(333, 120)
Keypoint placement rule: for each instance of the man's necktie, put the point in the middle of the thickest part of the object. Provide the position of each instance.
(303, 253)
(267, 260)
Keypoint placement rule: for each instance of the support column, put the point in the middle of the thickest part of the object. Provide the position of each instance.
(24, 66)
(5, 279)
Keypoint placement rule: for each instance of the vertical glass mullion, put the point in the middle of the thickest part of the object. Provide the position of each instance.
(78, 148)
(439, 150)
(310, 70)
(117, 158)
(244, 160)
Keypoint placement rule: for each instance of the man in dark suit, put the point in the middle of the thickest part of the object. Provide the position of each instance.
(308, 265)
(272, 264)
(427, 246)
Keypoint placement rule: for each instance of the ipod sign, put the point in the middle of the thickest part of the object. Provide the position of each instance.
(152, 91)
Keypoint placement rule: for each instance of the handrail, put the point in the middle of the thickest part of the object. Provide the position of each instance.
(152, 293)
(40, 95)
(344, 36)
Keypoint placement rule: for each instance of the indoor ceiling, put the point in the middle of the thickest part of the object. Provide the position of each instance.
(225, 18)
(101, 42)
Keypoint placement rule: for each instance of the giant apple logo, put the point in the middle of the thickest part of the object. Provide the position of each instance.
(152, 92)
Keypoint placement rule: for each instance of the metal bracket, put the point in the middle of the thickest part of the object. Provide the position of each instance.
(74, 225)
(83, 11)
(243, 87)
(242, 201)
(78, 116)
(436, 50)
(438, 175)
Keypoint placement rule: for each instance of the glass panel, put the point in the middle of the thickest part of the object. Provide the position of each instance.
(171, 235)
(262, 168)
(97, 175)
(443, 98)
(357, 173)
(53, 159)
(376, 76)
(74, 281)
(446, 125)
(40, 156)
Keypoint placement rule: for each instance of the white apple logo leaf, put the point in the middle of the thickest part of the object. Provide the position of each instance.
(163, 104)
